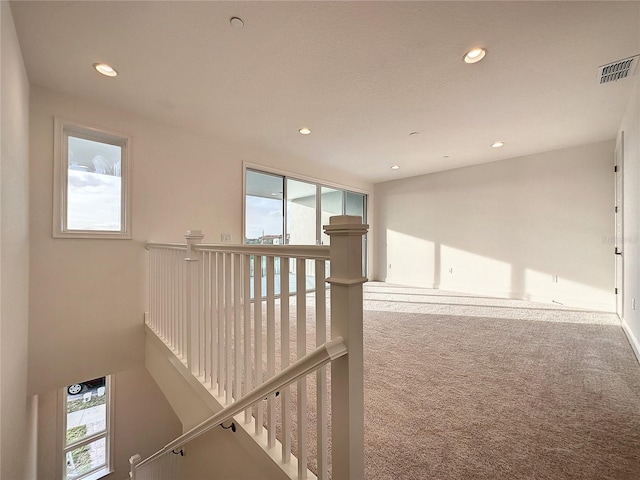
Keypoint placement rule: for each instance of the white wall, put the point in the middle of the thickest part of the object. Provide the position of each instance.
(85, 290)
(144, 423)
(631, 248)
(17, 451)
(88, 296)
(505, 228)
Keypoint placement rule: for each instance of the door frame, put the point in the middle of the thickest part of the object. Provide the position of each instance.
(619, 224)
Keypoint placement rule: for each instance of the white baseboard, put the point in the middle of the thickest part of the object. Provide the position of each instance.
(633, 340)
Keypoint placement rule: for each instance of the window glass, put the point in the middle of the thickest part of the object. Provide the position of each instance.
(301, 212)
(94, 185)
(86, 459)
(87, 416)
(331, 205)
(355, 205)
(264, 210)
(283, 210)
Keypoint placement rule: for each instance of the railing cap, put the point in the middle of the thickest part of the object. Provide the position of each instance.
(346, 225)
(194, 234)
(345, 219)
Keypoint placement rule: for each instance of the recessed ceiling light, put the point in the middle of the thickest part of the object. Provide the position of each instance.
(474, 55)
(395, 167)
(414, 133)
(105, 69)
(497, 144)
(236, 22)
(304, 131)
(445, 156)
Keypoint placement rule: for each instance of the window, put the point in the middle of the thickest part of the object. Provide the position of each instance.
(87, 412)
(264, 218)
(91, 183)
(281, 209)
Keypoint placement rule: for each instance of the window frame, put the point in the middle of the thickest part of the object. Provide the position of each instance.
(108, 435)
(246, 166)
(62, 130)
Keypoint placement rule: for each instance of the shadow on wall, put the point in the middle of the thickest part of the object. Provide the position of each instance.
(537, 228)
(421, 263)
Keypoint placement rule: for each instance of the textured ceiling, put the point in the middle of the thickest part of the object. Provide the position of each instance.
(362, 75)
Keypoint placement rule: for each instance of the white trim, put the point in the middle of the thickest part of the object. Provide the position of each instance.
(61, 429)
(618, 161)
(62, 128)
(633, 340)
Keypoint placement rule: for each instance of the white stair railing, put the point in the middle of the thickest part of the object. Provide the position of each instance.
(148, 470)
(235, 315)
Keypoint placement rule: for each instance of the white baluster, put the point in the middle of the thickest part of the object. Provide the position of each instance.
(221, 322)
(257, 330)
(285, 394)
(228, 315)
(193, 303)
(183, 309)
(201, 319)
(246, 292)
(215, 319)
(321, 374)
(206, 297)
(237, 324)
(271, 348)
(301, 340)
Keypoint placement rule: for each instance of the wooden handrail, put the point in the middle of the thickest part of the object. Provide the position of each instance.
(317, 252)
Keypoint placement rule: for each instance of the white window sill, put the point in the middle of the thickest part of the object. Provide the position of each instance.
(103, 472)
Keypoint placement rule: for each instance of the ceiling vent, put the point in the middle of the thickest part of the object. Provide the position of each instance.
(615, 71)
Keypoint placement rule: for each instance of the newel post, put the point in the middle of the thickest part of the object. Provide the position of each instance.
(347, 397)
(192, 297)
(133, 461)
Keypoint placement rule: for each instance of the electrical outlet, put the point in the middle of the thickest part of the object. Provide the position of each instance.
(633, 304)
(554, 278)
(389, 265)
(451, 270)
(225, 237)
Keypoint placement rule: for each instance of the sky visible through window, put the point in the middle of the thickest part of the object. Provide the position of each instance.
(264, 217)
(94, 185)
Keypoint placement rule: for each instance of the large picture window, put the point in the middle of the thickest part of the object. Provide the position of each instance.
(283, 210)
(91, 183)
(87, 412)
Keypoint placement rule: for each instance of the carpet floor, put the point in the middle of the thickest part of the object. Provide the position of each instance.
(465, 387)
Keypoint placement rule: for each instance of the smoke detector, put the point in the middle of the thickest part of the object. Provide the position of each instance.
(612, 72)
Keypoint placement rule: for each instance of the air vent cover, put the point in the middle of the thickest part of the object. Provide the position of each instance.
(615, 71)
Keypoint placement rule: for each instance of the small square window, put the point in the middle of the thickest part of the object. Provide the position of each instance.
(91, 183)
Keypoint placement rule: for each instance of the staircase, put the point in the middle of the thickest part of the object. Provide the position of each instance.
(254, 329)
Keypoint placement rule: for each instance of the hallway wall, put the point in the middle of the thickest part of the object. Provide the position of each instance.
(17, 449)
(88, 296)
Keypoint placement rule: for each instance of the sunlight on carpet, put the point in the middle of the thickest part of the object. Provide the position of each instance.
(464, 387)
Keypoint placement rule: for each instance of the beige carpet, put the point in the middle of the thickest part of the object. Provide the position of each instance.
(462, 387)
